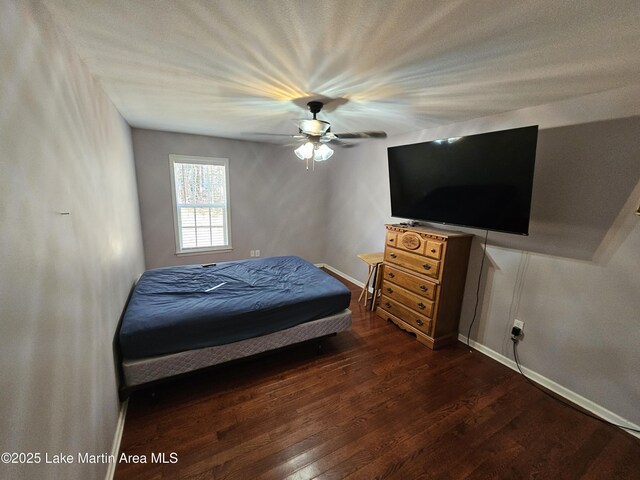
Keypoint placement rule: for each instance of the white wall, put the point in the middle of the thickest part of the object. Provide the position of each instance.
(574, 280)
(64, 279)
(277, 206)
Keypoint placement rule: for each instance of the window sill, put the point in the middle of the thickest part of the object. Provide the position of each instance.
(203, 252)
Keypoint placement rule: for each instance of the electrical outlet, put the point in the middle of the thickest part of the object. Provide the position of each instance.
(517, 331)
(252, 253)
(257, 253)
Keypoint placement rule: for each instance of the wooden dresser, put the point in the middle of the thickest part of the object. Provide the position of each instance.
(423, 278)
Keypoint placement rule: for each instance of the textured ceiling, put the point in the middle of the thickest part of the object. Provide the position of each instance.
(232, 67)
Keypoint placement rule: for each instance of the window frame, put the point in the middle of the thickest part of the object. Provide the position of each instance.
(192, 159)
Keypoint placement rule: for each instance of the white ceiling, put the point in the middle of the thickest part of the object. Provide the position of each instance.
(231, 67)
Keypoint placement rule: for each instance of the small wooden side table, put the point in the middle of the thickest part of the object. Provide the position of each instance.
(373, 260)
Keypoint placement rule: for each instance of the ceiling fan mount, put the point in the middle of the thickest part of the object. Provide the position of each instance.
(315, 107)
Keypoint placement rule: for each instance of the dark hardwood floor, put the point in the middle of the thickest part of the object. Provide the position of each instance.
(375, 404)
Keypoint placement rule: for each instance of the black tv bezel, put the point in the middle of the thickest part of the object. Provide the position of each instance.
(533, 152)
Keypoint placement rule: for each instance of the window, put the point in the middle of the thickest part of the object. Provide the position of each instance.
(200, 187)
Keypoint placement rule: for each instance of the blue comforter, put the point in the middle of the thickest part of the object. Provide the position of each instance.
(174, 309)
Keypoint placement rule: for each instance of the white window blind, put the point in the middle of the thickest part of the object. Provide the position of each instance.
(200, 188)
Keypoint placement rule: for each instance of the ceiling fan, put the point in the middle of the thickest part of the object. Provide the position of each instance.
(314, 135)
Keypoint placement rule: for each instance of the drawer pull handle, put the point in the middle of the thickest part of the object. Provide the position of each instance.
(426, 266)
(419, 322)
(390, 290)
(391, 275)
(433, 250)
(393, 255)
(422, 306)
(388, 305)
(424, 288)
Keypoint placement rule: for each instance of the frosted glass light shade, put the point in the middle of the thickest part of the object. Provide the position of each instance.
(304, 151)
(322, 153)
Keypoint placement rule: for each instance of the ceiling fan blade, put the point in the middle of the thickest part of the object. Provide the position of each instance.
(370, 134)
(276, 134)
(340, 144)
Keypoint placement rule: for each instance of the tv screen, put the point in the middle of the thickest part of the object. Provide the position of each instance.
(480, 181)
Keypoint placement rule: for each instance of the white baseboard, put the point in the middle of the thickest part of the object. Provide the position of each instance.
(343, 275)
(117, 438)
(564, 392)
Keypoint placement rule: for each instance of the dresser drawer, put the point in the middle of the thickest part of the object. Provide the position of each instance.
(392, 239)
(388, 306)
(414, 284)
(433, 249)
(408, 299)
(414, 262)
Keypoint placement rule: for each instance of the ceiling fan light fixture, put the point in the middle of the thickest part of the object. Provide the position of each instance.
(318, 134)
(314, 152)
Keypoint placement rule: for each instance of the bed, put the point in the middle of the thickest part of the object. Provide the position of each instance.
(181, 319)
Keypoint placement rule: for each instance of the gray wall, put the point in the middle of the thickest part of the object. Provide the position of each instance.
(276, 205)
(574, 280)
(64, 279)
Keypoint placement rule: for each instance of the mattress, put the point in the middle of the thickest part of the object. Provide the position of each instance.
(175, 309)
(145, 370)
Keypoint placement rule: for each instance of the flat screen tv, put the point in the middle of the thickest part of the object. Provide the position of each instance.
(480, 181)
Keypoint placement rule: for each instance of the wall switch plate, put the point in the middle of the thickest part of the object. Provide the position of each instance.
(252, 253)
(257, 253)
